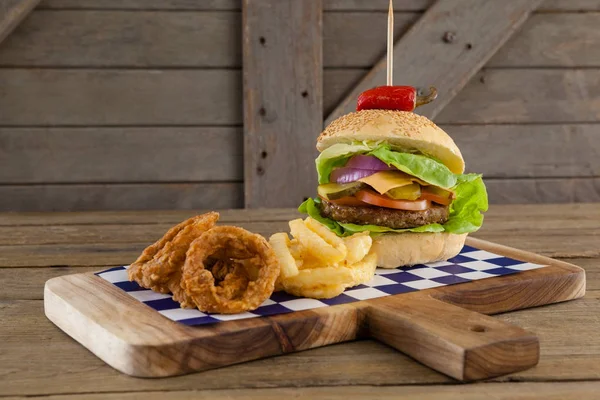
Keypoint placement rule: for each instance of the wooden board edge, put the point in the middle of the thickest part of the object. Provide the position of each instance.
(523, 255)
(558, 281)
(451, 339)
(269, 336)
(178, 349)
(112, 349)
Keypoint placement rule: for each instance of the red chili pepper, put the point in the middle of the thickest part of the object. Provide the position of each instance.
(401, 98)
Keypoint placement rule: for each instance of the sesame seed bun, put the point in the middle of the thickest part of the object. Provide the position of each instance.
(402, 130)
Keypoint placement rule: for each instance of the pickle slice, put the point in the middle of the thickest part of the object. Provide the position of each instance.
(408, 192)
(334, 191)
(449, 194)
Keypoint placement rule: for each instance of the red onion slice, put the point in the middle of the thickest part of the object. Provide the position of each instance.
(362, 161)
(347, 175)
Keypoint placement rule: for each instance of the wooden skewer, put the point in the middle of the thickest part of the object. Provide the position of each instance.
(390, 46)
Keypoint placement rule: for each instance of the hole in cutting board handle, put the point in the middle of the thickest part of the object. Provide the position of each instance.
(478, 328)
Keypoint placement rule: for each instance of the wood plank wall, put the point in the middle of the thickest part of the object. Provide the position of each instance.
(283, 100)
(137, 104)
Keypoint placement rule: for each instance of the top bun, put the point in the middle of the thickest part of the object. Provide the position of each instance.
(402, 130)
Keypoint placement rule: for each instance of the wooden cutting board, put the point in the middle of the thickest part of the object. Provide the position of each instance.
(445, 328)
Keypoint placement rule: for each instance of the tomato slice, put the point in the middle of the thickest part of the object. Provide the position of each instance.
(436, 198)
(347, 201)
(379, 200)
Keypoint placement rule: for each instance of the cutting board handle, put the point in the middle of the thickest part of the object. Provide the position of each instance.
(460, 343)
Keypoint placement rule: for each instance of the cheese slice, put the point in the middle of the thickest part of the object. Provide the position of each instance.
(384, 181)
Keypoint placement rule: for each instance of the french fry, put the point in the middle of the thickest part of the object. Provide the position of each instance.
(358, 246)
(316, 292)
(278, 285)
(319, 283)
(296, 249)
(280, 243)
(364, 270)
(316, 276)
(328, 282)
(315, 244)
(317, 263)
(309, 261)
(328, 236)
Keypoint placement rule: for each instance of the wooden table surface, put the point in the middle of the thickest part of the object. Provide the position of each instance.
(37, 359)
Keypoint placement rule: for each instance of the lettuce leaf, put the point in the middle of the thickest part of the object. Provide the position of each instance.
(465, 212)
(471, 201)
(336, 156)
(311, 208)
(423, 167)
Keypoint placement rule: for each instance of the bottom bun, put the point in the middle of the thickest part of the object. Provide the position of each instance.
(405, 249)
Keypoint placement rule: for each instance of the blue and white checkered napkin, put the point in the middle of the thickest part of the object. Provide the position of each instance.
(470, 265)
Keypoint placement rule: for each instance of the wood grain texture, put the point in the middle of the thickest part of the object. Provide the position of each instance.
(550, 243)
(337, 83)
(465, 345)
(356, 39)
(140, 227)
(111, 252)
(67, 367)
(140, 39)
(353, 40)
(506, 96)
(540, 190)
(504, 391)
(150, 196)
(553, 40)
(159, 351)
(71, 254)
(570, 5)
(40, 360)
(376, 5)
(422, 5)
(172, 217)
(555, 285)
(529, 151)
(119, 97)
(570, 350)
(527, 96)
(282, 108)
(34, 239)
(448, 66)
(27, 283)
(155, 39)
(202, 5)
(110, 233)
(502, 217)
(63, 155)
(484, 348)
(12, 12)
(328, 5)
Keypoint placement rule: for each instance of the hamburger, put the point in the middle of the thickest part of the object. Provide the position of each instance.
(399, 176)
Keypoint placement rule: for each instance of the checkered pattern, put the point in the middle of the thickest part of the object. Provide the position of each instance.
(470, 265)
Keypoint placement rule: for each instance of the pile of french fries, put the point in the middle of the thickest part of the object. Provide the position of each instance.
(319, 264)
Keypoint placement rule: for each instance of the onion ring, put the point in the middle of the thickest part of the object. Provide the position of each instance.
(159, 266)
(229, 270)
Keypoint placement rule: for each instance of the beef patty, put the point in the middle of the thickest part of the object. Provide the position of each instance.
(395, 219)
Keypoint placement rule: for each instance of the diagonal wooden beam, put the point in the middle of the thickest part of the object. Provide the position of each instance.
(445, 48)
(283, 101)
(12, 12)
